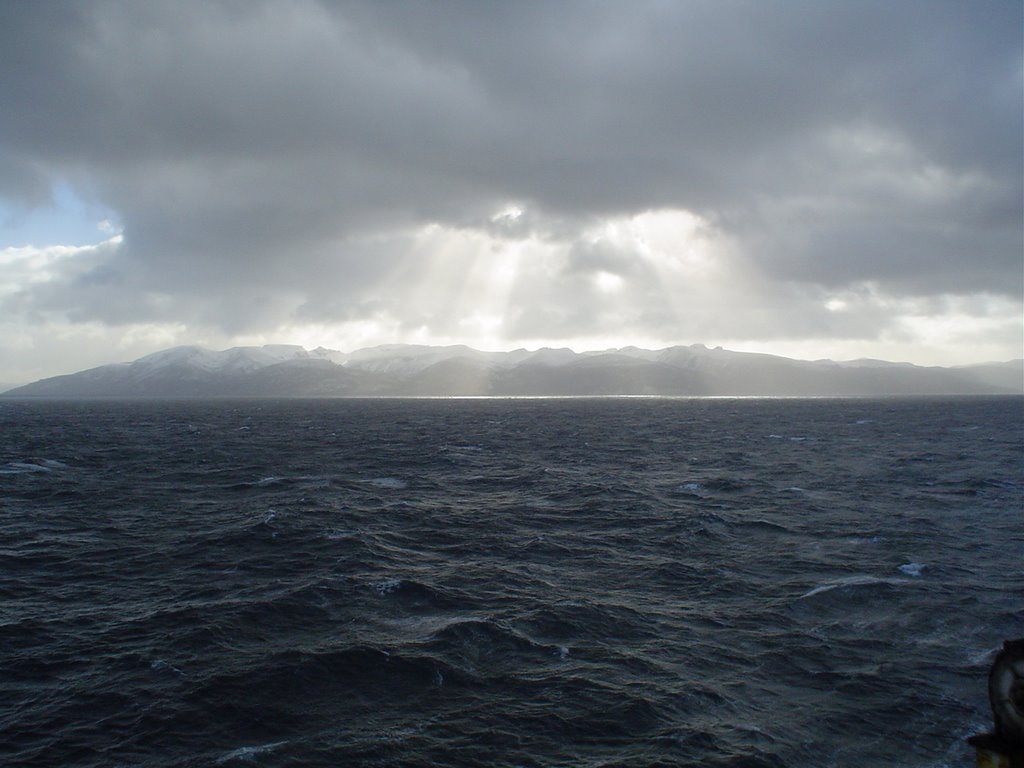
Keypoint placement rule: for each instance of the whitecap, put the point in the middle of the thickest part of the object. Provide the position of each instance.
(849, 581)
(21, 467)
(388, 586)
(393, 483)
(340, 534)
(690, 487)
(249, 753)
(857, 540)
(912, 569)
(159, 664)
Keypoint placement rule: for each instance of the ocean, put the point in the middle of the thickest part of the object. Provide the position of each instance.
(506, 582)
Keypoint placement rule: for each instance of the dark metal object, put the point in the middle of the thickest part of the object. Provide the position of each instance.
(1006, 692)
(1005, 745)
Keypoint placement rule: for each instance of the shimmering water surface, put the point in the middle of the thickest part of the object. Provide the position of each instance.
(627, 582)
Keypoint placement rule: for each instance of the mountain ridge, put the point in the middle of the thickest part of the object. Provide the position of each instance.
(402, 370)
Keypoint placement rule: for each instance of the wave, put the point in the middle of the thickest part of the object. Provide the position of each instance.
(249, 754)
(389, 483)
(31, 467)
(852, 582)
(613, 583)
(411, 594)
(912, 569)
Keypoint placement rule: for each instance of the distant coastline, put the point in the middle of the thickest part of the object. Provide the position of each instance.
(460, 371)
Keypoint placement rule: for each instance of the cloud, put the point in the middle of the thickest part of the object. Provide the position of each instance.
(460, 168)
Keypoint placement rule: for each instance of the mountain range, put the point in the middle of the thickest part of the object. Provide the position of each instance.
(416, 371)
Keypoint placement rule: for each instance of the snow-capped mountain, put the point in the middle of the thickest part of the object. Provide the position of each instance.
(411, 370)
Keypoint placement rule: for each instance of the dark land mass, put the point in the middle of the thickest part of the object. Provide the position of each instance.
(419, 371)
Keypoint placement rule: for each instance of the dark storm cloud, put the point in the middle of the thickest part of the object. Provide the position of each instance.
(268, 156)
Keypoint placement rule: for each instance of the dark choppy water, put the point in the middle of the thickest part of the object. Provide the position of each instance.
(505, 583)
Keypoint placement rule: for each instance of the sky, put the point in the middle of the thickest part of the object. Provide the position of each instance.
(813, 179)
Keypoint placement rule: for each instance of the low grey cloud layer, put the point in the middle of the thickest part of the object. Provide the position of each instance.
(274, 164)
